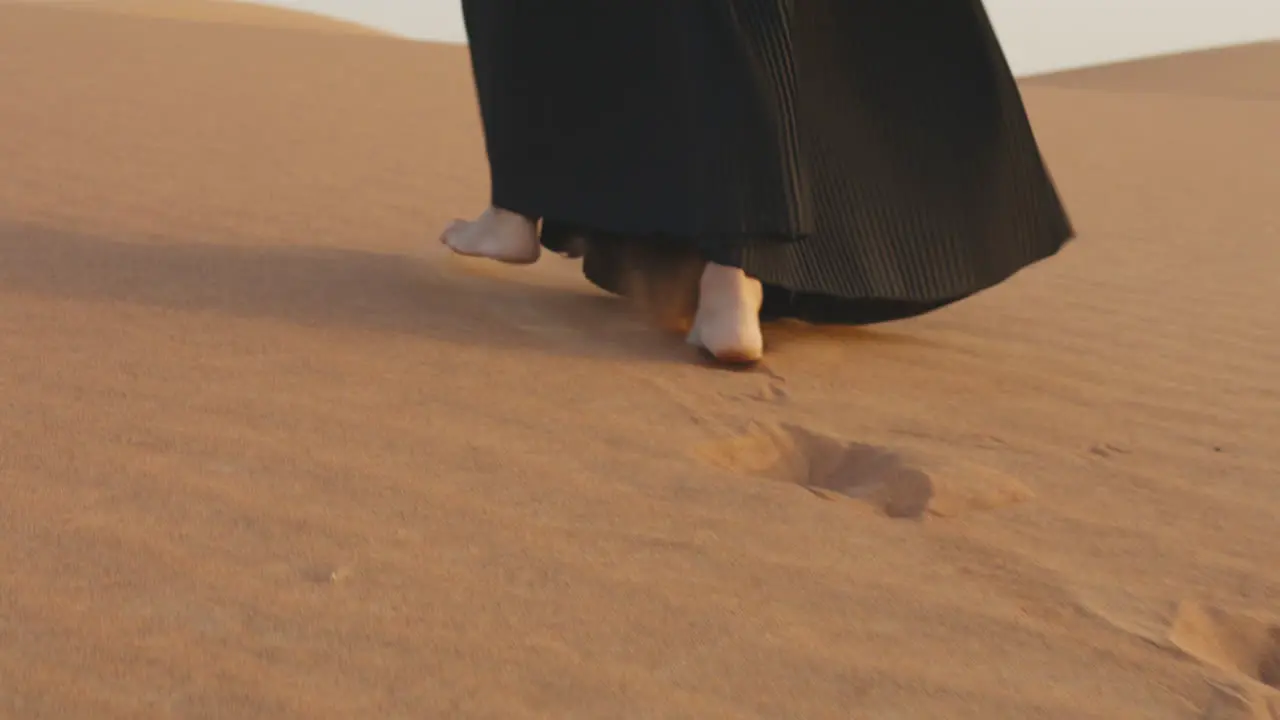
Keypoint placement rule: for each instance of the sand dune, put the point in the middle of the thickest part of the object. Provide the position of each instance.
(1241, 72)
(234, 12)
(268, 453)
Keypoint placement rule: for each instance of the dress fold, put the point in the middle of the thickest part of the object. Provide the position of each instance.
(867, 160)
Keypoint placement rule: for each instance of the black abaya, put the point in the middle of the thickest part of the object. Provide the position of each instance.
(867, 160)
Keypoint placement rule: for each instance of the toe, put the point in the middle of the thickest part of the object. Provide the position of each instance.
(451, 230)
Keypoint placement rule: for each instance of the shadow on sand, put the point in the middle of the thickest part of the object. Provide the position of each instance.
(449, 300)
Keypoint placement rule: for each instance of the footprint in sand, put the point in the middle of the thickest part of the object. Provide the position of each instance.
(771, 391)
(879, 477)
(1235, 704)
(1240, 644)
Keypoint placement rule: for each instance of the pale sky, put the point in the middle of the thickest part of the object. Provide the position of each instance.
(1038, 35)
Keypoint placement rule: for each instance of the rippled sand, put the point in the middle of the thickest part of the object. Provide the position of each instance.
(267, 452)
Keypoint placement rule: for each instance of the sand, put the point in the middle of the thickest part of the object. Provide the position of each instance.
(267, 452)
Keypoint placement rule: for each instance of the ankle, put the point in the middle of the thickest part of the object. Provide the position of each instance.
(719, 278)
(502, 213)
(722, 283)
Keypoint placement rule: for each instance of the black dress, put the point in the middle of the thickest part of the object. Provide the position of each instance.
(867, 160)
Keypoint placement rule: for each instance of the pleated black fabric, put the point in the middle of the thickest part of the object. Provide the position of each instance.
(867, 160)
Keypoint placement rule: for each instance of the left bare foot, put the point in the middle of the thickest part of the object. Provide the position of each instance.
(497, 234)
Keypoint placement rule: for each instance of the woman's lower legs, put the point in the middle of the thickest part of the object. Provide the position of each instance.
(726, 321)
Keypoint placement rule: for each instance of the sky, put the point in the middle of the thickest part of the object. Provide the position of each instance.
(1038, 35)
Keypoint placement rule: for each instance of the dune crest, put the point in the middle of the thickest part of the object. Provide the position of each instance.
(234, 12)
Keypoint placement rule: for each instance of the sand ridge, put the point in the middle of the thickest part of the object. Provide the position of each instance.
(1241, 72)
(269, 452)
(233, 12)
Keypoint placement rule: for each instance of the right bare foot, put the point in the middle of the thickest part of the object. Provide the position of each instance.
(497, 234)
(727, 323)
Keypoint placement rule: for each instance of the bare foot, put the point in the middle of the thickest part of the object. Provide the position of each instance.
(498, 235)
(727, 323)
